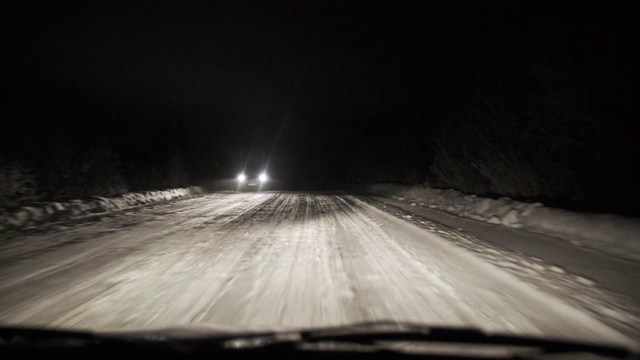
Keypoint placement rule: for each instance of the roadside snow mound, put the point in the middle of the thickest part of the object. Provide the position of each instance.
(40, 212)
(610, 233)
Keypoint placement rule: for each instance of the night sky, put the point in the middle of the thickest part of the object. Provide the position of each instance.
(314, 89)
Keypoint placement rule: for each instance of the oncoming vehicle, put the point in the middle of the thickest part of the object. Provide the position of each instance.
(251, 181)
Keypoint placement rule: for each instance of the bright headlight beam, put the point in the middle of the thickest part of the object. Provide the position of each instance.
(241, 177)
(262, 177)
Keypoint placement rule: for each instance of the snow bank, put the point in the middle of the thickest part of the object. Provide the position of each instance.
(37, 213)
(610, 233)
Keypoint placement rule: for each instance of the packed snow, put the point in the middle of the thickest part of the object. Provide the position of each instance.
(274, 260)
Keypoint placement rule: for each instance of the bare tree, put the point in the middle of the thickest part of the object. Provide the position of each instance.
(176, 174)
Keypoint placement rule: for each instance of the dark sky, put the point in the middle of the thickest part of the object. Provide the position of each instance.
(310, 86)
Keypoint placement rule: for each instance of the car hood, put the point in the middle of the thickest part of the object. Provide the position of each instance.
(367, 337)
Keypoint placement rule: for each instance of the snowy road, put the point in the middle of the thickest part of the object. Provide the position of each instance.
(265, 260)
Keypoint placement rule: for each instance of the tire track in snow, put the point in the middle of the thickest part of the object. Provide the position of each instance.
(282, 260)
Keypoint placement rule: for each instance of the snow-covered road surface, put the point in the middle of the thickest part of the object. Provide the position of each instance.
(266, 261)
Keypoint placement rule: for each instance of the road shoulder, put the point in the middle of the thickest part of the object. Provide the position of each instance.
(597, 282)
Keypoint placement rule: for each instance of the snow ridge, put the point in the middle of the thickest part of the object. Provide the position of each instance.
(610, 233)
(46, 211)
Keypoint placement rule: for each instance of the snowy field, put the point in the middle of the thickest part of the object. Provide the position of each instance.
(267, 261)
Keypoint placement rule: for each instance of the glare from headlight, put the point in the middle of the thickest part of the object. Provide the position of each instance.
(241, 177)
(262, 177)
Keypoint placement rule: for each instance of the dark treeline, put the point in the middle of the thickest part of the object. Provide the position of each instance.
(555, 119)
(560, 125)
(65, 173)
(72, 148)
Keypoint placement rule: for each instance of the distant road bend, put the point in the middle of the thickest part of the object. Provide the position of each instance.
(262, 261)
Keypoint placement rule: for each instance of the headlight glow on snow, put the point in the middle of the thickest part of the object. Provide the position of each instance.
(262, 177)
(242, 177)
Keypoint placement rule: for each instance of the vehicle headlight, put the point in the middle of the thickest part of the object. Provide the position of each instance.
(241, 177)
(263, 177)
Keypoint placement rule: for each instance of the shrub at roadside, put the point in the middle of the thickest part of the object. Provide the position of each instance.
(17, 186)
(79, 175)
